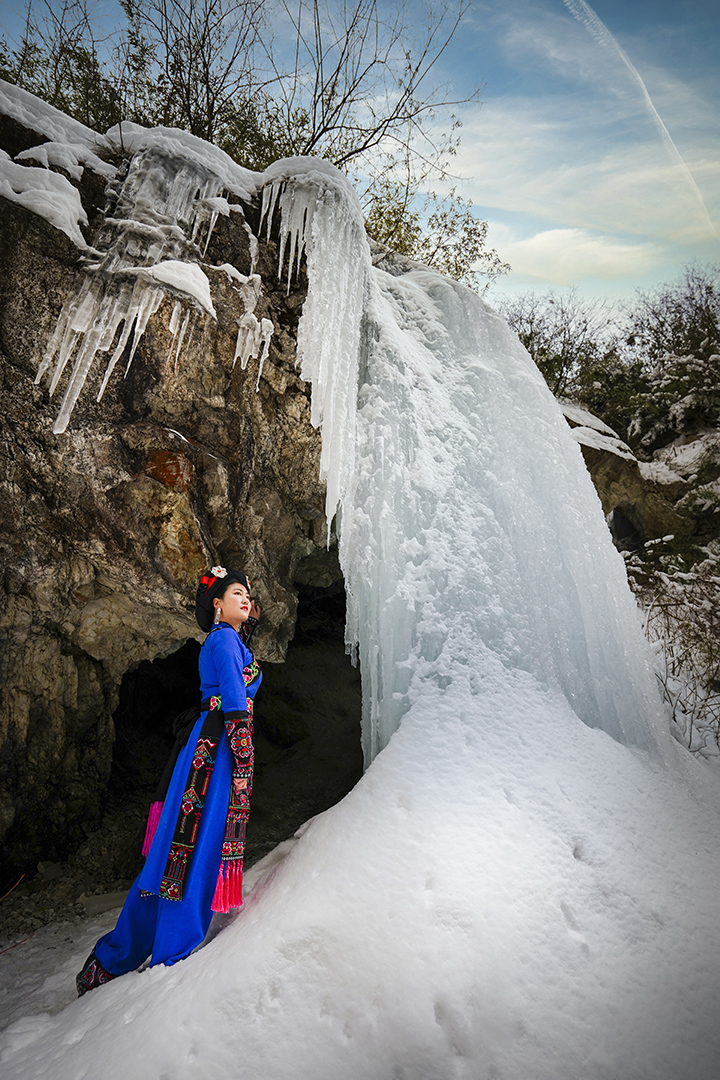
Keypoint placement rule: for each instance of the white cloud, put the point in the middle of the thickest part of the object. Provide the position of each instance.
(565, 256)
(574, 159)
(565, 163)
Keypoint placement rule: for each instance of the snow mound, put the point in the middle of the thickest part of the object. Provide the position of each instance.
(67, 136)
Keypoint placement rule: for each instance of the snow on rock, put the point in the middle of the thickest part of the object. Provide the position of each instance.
(71, 146)
(187, 279)
(659, 472)
(71, 157)
(685, 455)
(578, 417)
(590, 431)
(598, 440)
(48, 194)
(66, 137)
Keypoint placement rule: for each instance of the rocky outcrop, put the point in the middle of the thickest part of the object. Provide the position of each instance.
(641, 501)
(186, 462)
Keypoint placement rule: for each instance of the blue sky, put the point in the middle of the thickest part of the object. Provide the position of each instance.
(595, 154)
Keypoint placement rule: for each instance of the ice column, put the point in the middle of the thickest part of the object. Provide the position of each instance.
(320, 214)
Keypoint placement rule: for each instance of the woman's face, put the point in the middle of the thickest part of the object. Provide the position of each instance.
(233, 605)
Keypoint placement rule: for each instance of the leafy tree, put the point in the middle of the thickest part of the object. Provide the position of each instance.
(650, 370)
(681, 318)
(57, 59)
(443, 233)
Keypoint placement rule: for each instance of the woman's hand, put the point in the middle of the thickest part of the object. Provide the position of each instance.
(254, 610)
(239, 784)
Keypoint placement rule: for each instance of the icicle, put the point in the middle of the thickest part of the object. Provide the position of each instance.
(78, 320)
(326, 218)
(174, 321)
(297, 200)
(119, 348)
(266, 332)
(211, 226)
(253, 241)
(252, 336)
(269, 199)
(181, 338)
(162, 205)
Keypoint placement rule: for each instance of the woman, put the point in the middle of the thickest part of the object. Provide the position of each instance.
(194, 863)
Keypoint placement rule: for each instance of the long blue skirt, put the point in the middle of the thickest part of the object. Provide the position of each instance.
(168, 930)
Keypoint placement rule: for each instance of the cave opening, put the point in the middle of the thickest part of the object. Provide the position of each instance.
(307, 731)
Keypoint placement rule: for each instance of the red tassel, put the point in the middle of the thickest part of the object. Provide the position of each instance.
(235, 891)
(228, 890)
(152, 824)
(217, 900)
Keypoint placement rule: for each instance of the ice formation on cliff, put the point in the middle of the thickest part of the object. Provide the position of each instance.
(151, 247)
(451, 562)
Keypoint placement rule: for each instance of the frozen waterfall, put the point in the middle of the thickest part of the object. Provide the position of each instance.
(472, 541)
(471, 538)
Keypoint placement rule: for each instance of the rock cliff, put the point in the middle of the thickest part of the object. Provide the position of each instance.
(188, 461)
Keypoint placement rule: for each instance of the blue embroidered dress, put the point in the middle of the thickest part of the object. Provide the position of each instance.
(168, 930)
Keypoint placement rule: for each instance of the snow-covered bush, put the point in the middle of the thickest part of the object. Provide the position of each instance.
(674, 334)
(680, 602)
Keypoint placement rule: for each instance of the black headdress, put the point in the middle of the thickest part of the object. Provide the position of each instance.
(214, 583)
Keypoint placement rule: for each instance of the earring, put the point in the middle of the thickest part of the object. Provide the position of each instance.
(216, 620)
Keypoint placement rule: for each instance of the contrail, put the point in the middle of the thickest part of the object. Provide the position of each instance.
(585, 14)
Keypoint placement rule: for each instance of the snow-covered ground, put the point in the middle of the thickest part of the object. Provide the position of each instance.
(524, 884)
(540, 903)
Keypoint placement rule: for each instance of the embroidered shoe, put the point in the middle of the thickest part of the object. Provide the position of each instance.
(93, 974)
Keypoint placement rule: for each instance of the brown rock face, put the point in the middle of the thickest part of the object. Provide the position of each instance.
(186, 462)
(640, 503)
(644, 503)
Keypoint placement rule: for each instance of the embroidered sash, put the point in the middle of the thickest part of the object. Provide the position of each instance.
(188, 820)
(177, 867)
